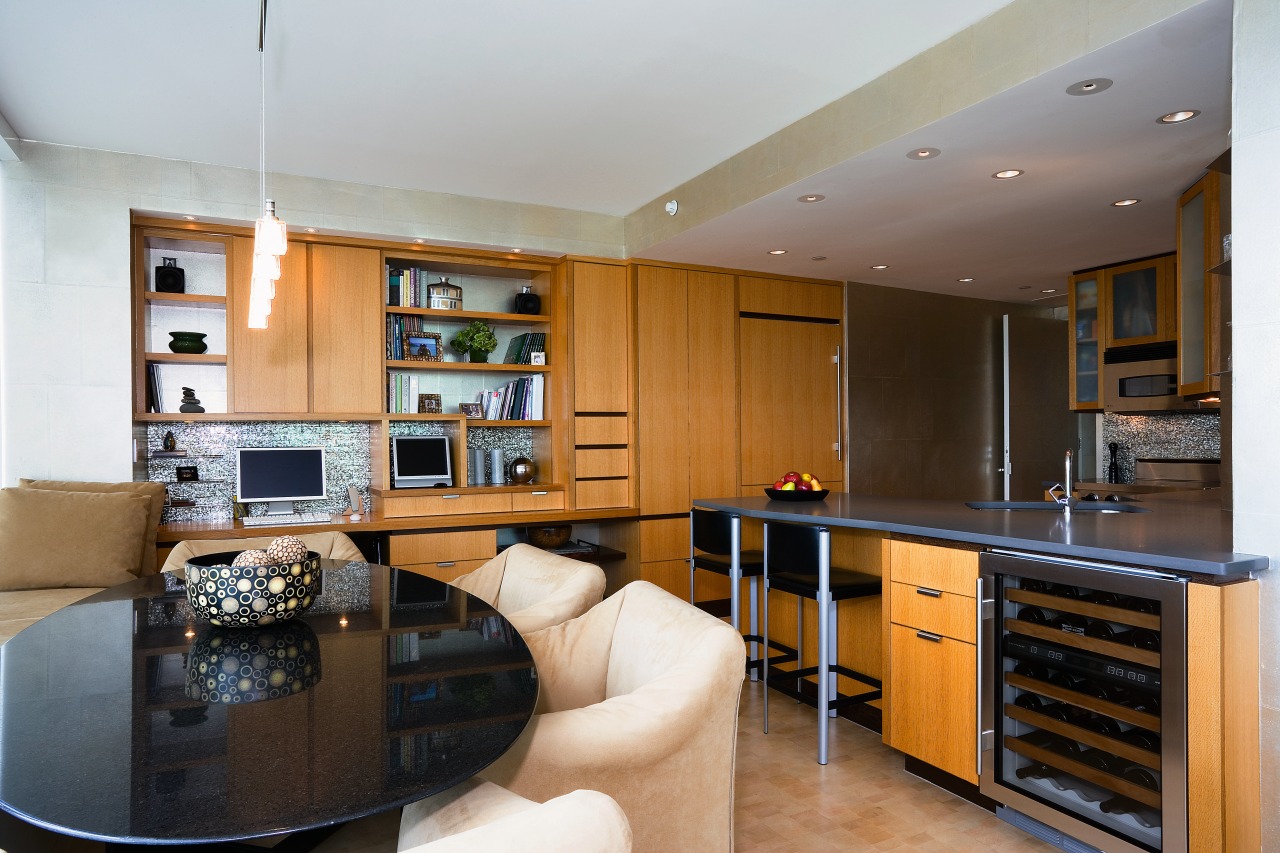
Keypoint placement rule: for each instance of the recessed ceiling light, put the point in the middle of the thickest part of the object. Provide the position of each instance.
(1089, 87)
(1050, 290)
(923, 153)
(818, 258)
(777, 251)
(1178, 117)
(1008, 173)
(880, 267)
(1125, 202)
(309, 230)
(964, 279)
(418, 240)
(517, 251)
(810, 199)
(189, 218)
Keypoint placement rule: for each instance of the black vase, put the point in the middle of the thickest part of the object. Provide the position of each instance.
(528, 302)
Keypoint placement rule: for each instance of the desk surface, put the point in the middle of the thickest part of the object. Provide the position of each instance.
(406, 687)
(1178, 535)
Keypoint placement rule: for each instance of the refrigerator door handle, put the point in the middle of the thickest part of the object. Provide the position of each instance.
(985, 711)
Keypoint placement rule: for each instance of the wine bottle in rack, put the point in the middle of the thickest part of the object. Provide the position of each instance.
(1100, 724)
(1033, 614)
(1072, 623)
(1106, 599)
(1144, 776)
(1100, 630)
(1032, 670)
(1062, 590)
(1033, 585)
(1141, 638)
(1104, 761)
(1142, 739)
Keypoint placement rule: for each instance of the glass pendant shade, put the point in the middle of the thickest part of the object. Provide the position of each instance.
(266, 266)
(269, 234)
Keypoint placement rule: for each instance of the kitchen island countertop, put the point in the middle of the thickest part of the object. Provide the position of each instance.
(1177, 535)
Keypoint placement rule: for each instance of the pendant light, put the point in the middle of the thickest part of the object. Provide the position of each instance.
(270, 238)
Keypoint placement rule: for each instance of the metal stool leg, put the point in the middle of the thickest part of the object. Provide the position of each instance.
(754, 617)
(833, 652)
(765, 632)
(692, 568)
(799, 641)
(824, 639)
(735, 573)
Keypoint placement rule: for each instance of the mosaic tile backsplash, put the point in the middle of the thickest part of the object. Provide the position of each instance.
(211, 448)
(1166, 436)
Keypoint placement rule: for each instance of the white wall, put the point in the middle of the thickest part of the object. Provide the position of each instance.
(65, 399)
(1255, 264)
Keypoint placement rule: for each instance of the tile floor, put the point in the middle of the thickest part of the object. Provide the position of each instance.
(787, 803)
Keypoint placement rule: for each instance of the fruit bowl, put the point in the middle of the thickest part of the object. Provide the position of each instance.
(797, 495)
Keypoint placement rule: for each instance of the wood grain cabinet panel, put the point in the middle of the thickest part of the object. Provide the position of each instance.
(662, 371)
(712, 408)
(346, 330)
(951, 570)
(268, 366)
(790, 298)
(602, 429)
(664, 539)
(603, 494)
(447, 571)
(601, 338)
(410, 548)
(933, 692)
(538, 499)
(934, 611)
(602, 462)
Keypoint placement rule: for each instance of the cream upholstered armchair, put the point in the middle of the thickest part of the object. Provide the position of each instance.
(330, 545)
(638, 699)
(535, 589)
(481, 816)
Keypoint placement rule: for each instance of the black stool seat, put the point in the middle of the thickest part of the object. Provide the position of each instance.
(844, 584)
(752, 563)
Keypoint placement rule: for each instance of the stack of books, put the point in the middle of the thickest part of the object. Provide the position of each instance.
(518, 400)
(523, 346)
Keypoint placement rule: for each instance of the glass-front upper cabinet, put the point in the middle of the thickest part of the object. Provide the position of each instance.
(1200, 228)
(1086, 361)
(1139, 301)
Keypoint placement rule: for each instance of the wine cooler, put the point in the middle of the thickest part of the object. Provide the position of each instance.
(1082, 677)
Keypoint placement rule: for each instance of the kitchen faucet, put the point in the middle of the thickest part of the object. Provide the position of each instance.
(1065, 498)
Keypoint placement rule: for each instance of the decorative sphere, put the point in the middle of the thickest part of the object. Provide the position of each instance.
(286, 549)
(252, 557)
(521, 470)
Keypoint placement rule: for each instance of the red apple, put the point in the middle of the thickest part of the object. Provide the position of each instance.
(778, 485)
(791, 477)
(802, 486)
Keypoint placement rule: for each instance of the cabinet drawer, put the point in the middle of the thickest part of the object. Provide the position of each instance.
(537, 499)
(600, 429)
(946, 569)
(409, 548)
(449, 503)
(933, 692)
(664, 539)
(446, 571)
(601, 462)
(935, 611)
(602, 494)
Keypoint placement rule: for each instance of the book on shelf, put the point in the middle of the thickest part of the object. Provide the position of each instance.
(518, 400)
(523, 346)
(154, 400)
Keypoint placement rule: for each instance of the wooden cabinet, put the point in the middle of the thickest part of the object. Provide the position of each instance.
(687, 376)
(933, 662)
(1138, 303)
(269, 368)
(1085, 351)
(346, 372)
(1203, 219)
(443, 556)
(791, 400)
(601, 343)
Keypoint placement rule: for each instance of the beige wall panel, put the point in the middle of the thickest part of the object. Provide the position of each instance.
(268, 366)
(793, 298)
(713, 386)
(601, 340)
(665, 406)
(437, 547)
(347, 330)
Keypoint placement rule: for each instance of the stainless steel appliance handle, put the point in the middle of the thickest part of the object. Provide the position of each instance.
(977, 694)
(839, 443)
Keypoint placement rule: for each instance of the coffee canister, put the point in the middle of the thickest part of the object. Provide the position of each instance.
(444, 295)
(496, 473)
(475, 471)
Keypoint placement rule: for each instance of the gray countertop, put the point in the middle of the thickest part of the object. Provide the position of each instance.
(1177, 535)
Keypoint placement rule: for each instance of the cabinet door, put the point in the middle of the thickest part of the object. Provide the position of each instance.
(1199, 248)
(1085, 332)
(346, 330)
(601, 340)
(1138, 298)
(662, 376)
(268, 367)
(790, 399)
(712, 406)
(933, 694)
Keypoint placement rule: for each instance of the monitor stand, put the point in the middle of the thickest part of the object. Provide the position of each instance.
(280, 508)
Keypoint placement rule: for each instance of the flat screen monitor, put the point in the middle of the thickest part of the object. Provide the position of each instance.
(421, 460)
(280, 476)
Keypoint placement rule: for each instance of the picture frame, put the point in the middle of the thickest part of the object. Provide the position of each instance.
(187, 474)
(429, 404)
(472, 411)
(424, 346)
(537, 358)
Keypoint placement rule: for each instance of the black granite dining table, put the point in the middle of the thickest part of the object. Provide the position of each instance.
(123, 718)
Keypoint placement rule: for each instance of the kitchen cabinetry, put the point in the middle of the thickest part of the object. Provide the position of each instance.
(933, 660)
(269, 371)
(443, 556)
(1085, 352)
(1204, 213)
(1138, 303)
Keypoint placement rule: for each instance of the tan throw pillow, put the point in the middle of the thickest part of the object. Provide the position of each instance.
(154, 491)
(51, 539)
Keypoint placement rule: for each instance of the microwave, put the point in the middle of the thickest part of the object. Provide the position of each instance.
(1144, 378)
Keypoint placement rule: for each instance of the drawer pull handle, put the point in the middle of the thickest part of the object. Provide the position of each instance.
(932, 593)
(446, 564)
(450, 497)
(933, 638)
(538, 494)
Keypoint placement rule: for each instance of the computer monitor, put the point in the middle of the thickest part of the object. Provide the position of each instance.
(421, 460)
(280, 476)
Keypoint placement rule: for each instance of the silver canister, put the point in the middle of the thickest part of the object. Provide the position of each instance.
(497, 476)
(475, 470)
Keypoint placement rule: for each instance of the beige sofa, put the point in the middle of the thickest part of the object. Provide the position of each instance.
(535, 589)
(47, 527)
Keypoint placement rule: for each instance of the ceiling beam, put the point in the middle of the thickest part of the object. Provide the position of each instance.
(10, 144)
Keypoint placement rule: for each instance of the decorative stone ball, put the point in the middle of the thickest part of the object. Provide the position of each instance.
(253, 557)
(237, 665)
(286, 549)
(250, 595)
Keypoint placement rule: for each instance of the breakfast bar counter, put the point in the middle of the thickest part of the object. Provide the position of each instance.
(1182, 536)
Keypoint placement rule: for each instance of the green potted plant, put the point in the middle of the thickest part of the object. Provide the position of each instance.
(476, 339)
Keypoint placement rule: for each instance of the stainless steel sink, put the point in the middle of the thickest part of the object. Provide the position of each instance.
(1050, 506)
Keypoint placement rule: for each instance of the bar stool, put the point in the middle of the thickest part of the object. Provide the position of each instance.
(718, 536)
(798, 561)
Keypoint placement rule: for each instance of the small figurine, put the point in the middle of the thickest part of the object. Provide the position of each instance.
(190, 404)
(170, 443)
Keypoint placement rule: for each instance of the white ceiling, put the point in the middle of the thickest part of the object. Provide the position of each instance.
(603, 107)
